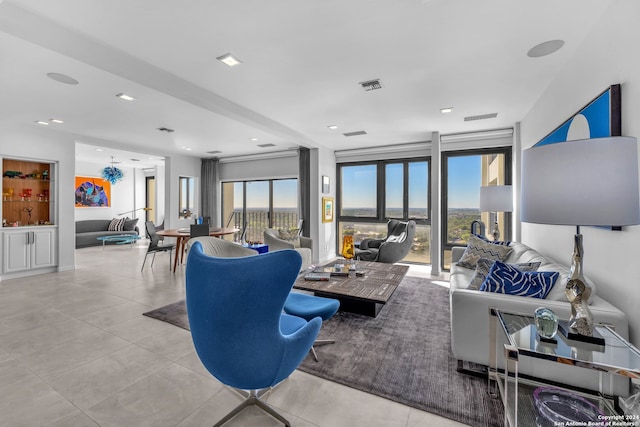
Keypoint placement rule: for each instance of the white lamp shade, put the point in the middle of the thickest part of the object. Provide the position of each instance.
(496, 198)
(582, 182)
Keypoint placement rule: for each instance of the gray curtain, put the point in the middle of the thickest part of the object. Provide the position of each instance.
(304, 185)
(209, 189)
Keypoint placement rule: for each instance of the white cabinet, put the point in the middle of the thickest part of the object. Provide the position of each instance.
(28, 249)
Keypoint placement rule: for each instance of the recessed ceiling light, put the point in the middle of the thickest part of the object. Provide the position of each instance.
(125, 97)
(229, 60)
(186, 148)
(446, 110)
(99, 149)
(56, 121)
(254, 139)
(332, 127)
(62, 78)
(546, 48)
(42, 122)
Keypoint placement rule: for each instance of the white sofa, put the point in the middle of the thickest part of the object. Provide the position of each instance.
(470, 320)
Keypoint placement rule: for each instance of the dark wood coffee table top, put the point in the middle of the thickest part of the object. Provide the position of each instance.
(376, 285)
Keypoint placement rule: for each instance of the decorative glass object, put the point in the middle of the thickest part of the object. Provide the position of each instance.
(348, 251)
(546, 322)
(112, 173)
(558, 407)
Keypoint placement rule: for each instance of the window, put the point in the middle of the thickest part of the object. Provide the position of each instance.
(369, 194)
(359, 191)
(185, 196)
(252, 206)
(464, 172)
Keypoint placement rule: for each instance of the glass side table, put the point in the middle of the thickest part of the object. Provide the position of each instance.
(616, 357)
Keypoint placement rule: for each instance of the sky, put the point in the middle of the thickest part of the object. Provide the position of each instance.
(285, 194)
(464, 184)
(464, 181)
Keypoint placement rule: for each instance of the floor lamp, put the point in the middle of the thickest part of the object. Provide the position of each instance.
(496, 198)
(592, 182)
(134, 210)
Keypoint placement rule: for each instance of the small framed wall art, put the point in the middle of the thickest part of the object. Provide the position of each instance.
(327, 209)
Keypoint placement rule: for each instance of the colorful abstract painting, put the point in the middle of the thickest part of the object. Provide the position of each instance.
(92, 192)
(600, 118)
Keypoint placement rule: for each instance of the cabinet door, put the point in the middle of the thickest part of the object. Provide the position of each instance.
(43, 252)
(16, 251)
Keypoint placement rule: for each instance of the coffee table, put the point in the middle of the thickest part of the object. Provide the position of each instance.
(119, 239)
(364, 294)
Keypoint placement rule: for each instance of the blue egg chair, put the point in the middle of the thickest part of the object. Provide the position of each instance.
(239, 330)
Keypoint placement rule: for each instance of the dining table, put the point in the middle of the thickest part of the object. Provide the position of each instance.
(183, 234)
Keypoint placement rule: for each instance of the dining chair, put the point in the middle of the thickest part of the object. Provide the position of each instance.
(197, 230)
(154, 246)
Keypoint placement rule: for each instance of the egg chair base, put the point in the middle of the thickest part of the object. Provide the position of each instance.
(253, 398)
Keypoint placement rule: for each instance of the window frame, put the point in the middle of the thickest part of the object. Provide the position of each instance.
(507, 151)
(187, 209)
(380, 217)
(270, 209)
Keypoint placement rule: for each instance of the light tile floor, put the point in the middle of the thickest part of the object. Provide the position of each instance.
(75, 350)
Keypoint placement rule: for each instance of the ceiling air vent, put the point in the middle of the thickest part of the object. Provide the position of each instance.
(371, 84)
(356, 133)
(266, 145)
(214, 152)
(164, 129)
(481, 117)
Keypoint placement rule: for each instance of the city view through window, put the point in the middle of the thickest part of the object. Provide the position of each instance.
(256, 205)
(406, 196)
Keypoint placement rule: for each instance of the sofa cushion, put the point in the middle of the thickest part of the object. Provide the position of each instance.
(507, 279)
(484, 265)
(130, 224)
(291, 236)
(89, 225)
(116, 224)
(477, 248)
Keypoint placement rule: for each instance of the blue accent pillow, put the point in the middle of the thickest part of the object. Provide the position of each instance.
(506, 279)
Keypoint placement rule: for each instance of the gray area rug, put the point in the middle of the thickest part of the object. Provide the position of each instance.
(403, 355)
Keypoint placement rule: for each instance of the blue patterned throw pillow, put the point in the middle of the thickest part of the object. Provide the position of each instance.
(506, 279)
(484, 265)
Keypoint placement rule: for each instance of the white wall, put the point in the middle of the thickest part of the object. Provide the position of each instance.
(326, 234)
(608, 56)
(33, 143)
(175, 167)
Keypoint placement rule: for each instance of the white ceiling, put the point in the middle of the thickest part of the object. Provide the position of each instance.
(302, 62)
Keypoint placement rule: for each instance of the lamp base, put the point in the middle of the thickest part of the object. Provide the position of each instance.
(496, 232)
(578, 292)
(567, 332)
